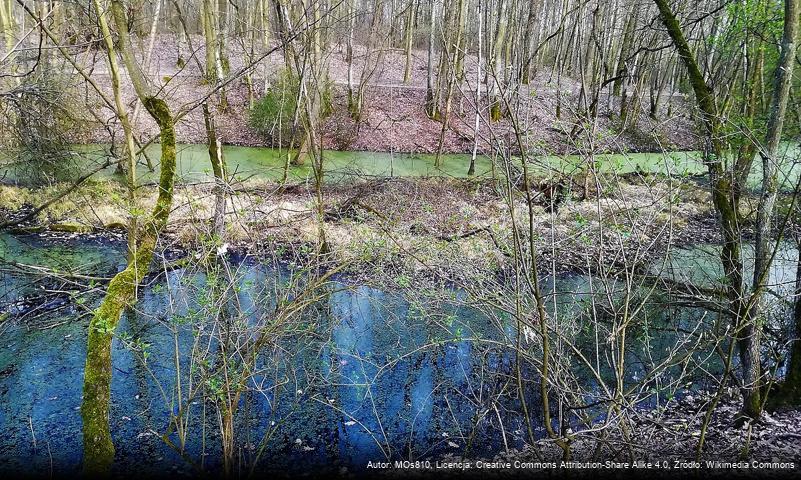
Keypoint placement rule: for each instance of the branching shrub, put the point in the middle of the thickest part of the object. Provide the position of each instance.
(274, 115)
(37, 128)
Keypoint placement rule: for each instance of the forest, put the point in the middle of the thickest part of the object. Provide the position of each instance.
(242, 238)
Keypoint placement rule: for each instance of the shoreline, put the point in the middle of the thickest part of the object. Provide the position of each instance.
(396, 223)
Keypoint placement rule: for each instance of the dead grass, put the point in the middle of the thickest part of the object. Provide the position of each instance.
(404, 223)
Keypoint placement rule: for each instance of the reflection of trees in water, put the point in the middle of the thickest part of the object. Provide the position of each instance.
(360, 372)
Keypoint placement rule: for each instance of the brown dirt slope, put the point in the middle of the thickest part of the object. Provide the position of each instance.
(394, 117)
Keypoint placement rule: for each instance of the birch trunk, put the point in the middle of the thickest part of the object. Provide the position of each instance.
(472, 169)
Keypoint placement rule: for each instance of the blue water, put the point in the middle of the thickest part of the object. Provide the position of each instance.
(363, 374)
(370, 378)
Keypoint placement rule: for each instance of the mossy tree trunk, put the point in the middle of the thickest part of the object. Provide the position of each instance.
(217, 159)
(725, 198)
(744, 304)
(782, 83)
(122, 290)
(98, 447)
(495, 62)
(209, 21)
(214, 41)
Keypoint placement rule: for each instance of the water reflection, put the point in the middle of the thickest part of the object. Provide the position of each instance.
(365, 374)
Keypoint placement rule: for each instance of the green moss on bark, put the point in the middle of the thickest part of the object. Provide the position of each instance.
(98, 445)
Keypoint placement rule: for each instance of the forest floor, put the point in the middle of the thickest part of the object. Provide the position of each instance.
(668, 438)
(394, 119)
(448, 227)
(438, 230)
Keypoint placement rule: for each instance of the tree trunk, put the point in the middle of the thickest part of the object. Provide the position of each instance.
(472, 169)
(7, 26)
(98, 446)
(621, 71)
(726, 202)
(265, 38)
(791, 389)
(212, 33)
(431, 109)
(349, 58)
(312, 82)
(209, 20)
(528, 42)
(451, 78)
(216, 155)
(218, 167)
(409, 37)
(763, 253)
(495, 60)
(782, 82)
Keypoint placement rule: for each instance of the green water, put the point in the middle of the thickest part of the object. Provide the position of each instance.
(264, 163)
(700, 266)
(267, 163)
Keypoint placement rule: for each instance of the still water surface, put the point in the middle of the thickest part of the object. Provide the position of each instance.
(366, 374)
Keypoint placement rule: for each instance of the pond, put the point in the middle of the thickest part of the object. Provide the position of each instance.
(245, 163)
(268, 163)
(365, 373)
